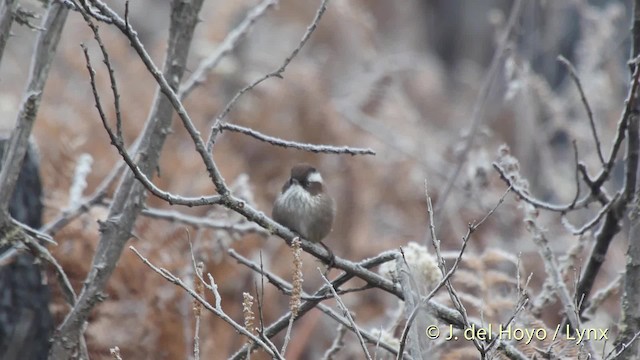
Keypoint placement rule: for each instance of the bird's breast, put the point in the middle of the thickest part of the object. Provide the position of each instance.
(303, 212)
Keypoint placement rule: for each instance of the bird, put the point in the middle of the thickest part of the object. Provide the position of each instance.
(304, 206)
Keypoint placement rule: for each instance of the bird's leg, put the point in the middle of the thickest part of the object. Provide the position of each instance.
(332, 257)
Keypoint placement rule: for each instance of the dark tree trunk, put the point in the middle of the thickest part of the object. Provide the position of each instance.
(25, 320)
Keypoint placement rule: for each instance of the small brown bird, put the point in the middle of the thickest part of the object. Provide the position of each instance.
(304, 206)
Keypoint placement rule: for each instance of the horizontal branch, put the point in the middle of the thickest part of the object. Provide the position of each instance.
(296, 145)
(276, 73)
(204, 222)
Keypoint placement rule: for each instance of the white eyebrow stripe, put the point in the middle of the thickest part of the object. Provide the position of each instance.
(315, 177)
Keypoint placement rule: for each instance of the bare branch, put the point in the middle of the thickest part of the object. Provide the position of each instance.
(599, 194)
(216, 310)
(204, 222)
(577, 173)
(630, 103)
(630, 314)
(96, 198)
(15, 236)
(445, 314)
(286, 287)
(593, 222)
(117, 140)
(276, 73)
(167, 87)
(328, 149)
(446, 276)
(46, 45)
(616, 353)
(477, 114)
(576, 80)
(346, 311)
(611, 225)
(553, 270)
(227, 46)
(7, 14)
(337, 344)
(129, 196)
(603, 294)
(524, 195)
(313, 300)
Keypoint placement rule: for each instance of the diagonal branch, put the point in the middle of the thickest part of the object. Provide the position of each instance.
(576, 80)
(46, 46)
(130, 196)
(276, 73)
(217, 309)
(612, 219)
(227, 46)
(7, 15)
(477, 114)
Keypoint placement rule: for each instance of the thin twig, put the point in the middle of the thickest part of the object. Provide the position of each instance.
(603, 294)
(118, 143)
(623, 123)
(168, 90)
(328, 149)
(7, 14)
(477, 114)
(313, 300)
(443, 313)
(600, 194)
(455, 299)
(216, 310)
(238, 227)
(553, 270)
(286, 287)
(470, 229)
(593, 222)
(129, 197)
(337, 344)
(522, 302)
(524, 195)
(96, 198)
(576, 80)
(611, 225)
(347, 313)
(16, 237)
(276, 73)
(45, 49)
(227, 46)
(615, 352)
(577, 173)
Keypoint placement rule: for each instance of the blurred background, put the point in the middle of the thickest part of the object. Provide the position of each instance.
(401, 77)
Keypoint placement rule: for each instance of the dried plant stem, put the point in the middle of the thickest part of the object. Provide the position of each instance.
(296, 291)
